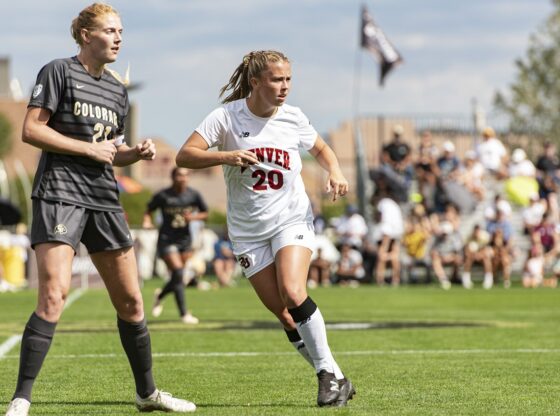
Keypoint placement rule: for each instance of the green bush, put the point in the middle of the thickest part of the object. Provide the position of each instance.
(135, 205)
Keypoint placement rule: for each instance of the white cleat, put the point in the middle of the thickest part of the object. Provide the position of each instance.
(160, 400)
(18, 407)
(189, 319)
(157, 309)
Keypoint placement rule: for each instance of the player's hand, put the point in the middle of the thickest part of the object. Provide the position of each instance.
(146, 150)
(337, 185)
(103, 151)
(242, 158)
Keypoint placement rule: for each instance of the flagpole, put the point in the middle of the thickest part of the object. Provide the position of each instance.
(361, 167)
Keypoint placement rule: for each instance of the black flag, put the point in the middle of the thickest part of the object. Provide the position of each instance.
(375, 41)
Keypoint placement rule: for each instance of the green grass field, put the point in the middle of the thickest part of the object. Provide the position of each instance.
(421, 351)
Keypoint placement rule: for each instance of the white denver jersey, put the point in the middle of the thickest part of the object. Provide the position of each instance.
(265, 198)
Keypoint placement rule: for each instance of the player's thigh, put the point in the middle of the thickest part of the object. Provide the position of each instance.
(54, 267)
(173, 260)
(120, 274)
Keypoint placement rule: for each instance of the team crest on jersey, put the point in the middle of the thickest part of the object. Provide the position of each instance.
(60, 229)
(37, 90)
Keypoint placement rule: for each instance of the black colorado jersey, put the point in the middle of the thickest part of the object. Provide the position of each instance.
(83, 108)
(173, 206)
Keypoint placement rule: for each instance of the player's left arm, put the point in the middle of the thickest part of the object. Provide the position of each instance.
(336, 182)
(128, 155)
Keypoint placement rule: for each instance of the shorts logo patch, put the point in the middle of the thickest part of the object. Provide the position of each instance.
(37, 90)
(60, 229)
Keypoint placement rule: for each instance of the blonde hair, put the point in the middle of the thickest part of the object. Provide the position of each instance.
(87, 19)
(253, 64)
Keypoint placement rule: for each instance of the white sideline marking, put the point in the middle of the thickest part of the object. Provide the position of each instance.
(11, 342)
(371, 352)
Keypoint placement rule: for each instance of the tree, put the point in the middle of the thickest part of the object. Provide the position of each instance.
(5, 132)
(534, 97)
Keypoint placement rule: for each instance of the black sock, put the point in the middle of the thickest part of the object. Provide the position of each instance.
(135, 340)
(179, 290)
(293, 335)
(35, 344)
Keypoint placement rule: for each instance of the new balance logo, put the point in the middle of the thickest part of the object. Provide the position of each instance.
(299, 237)
(244, 134)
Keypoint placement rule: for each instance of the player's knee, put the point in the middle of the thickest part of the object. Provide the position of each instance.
(293, 296)
(51, 304)
(131, 307)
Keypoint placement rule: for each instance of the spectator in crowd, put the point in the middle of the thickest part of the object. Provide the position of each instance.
(520, 165)
(224, 261)
(548, 162)
(415, 244)
(472, 174)
(448, 164)
(492, 154)
(533, 214)
(547, 230)
(396, 167)
(350, 267)
(319, 271)
(533, 270)
(499, 204)
(477, 250)
(351, 228)
(446, 251)
(500, 230)
(389, 231)
(426, 170)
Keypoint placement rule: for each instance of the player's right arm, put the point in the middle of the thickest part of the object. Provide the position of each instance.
(194, 155)
(36, 132)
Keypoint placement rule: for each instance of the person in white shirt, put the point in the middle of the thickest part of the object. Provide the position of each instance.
(352, 228)
(269, 215)
(520, 165)
(492, 153)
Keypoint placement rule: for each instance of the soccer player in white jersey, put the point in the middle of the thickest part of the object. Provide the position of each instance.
(269, 215)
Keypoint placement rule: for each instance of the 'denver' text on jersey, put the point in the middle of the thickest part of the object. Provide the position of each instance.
(83, 108)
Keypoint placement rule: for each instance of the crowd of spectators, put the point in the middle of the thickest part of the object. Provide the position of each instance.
(422, 230)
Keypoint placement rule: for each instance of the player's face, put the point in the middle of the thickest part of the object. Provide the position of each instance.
(106, 38)
(274, 84)
(181, 177)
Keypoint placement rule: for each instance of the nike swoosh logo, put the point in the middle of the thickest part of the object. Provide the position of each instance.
(79, 86)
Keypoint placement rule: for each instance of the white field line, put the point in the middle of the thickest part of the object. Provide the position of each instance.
(11, 342)
(370, 352)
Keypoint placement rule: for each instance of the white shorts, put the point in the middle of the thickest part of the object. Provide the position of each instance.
(255, 256)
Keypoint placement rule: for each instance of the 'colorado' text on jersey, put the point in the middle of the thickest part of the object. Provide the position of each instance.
(83, 108)
(269, 196)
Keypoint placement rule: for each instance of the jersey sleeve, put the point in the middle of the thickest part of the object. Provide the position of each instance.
(307, 133)
(155, 203)
(49, 87)
(120, 133)
(214, 127)
(200, 203)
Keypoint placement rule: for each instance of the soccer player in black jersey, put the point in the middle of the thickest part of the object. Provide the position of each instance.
(76, 117)
(179, 205)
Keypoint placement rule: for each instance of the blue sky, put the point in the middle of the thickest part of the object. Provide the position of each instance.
(183, 51)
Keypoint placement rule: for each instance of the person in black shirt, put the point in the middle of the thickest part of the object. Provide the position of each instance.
(179, 205)
(76, 117)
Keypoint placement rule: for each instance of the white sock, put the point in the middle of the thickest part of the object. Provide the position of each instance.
(314, 335)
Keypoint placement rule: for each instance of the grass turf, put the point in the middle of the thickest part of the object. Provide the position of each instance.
(424, 352)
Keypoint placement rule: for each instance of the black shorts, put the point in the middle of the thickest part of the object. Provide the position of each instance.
(71, 224)
(167, 244)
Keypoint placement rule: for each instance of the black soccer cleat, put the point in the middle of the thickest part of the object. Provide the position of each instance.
(329, 389)
(347, 391)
